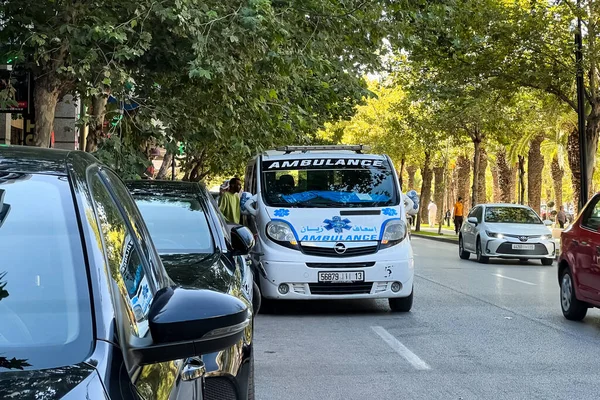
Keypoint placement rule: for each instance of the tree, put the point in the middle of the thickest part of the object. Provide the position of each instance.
(411, 170)
(535, 166)
(507, 46)
(506, 176)
(67, 45)
(249, 76)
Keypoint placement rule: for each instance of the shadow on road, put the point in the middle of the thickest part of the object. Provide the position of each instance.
(325, 307)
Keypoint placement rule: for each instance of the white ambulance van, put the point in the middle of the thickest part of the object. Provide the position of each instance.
(330, 224)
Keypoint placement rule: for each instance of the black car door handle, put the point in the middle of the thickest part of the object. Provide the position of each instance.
(575, 242)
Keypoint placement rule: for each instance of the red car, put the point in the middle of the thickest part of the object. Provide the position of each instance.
(579, 263)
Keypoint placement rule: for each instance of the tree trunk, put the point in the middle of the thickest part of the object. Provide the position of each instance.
(521, 168)
(481, 181)
(463, 173)
(411, 170)
(400, 173)
(425, 190)
(438, 195)
(450, 190)
(165, 167)
(505, 178)
(573, 157)
(535, 167)
(476, 158)
(557, 176)
(45, 99)
(496, 193)
(592, 129)
(96, 123)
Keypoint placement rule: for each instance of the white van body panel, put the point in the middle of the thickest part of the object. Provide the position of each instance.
(323, 232)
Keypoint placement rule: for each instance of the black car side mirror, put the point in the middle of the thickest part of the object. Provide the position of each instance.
(242, 240)
(191, 322)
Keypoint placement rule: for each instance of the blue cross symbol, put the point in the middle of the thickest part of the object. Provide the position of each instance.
(337, 224)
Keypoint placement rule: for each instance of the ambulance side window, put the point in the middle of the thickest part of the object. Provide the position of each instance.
(249, 178)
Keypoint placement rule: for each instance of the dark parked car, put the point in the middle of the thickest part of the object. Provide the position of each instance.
(199, 250)
(579, 263)
(87, 310)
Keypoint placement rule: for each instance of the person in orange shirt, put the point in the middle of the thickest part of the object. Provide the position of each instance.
(458, 215)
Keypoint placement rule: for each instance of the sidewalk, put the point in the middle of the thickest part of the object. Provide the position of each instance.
(432, 233)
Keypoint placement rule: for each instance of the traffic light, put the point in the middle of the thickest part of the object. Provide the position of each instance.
(181, 148)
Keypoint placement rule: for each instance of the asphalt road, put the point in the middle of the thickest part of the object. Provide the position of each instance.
(475, 332)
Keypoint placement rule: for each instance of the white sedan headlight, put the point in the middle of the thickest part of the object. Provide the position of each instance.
(494, 235)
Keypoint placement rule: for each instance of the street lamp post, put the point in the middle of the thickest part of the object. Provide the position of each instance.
(583, 191)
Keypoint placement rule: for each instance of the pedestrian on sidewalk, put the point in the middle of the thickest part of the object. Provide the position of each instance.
(448, 216)
(229, 202)
(432, 213)
(458, 215)
(561, 217)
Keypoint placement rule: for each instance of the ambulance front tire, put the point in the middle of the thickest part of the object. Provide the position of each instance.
(269, 306)
(401, 304)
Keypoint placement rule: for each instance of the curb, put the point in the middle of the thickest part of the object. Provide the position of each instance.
(435, 238)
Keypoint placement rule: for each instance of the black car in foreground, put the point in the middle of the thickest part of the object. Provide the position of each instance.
(87, 310)
(199, 250)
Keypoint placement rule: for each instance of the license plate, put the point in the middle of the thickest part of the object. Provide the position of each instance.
(523, 247)
(342, 276)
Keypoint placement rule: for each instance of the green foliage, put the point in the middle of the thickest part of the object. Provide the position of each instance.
(125, 159)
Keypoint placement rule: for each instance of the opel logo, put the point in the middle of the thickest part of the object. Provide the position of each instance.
(339, 248)
(523, 238)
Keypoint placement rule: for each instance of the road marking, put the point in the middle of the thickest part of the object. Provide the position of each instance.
(513, 279)
(401, 349)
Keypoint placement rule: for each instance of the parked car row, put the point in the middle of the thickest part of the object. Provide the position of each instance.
(101, 298)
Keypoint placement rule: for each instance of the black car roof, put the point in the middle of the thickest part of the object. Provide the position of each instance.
(36, 160)
(164, 188)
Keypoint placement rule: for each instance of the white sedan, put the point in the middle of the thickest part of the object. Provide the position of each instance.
(506, 231)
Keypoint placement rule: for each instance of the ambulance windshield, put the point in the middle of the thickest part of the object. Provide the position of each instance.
(329, 183)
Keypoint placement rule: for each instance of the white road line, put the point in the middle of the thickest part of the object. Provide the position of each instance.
(401, 349)
(513, 279)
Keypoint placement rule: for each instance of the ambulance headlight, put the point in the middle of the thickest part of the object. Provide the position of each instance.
(281, 233)
(394, 232)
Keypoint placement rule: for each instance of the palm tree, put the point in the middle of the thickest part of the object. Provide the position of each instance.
(555, 148)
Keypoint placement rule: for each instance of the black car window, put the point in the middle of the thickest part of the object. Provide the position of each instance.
(591, 216)
(125, 262)
(45, 312)
(135, 219)
(177, 225)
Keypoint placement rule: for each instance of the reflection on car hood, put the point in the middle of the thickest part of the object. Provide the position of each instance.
(45, 384)
(518, 229)
(200, 271)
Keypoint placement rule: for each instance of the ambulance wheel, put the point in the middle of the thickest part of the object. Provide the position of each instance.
(401, 304)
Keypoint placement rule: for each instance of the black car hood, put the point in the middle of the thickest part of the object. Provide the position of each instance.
(199, 271)
(44, 384)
